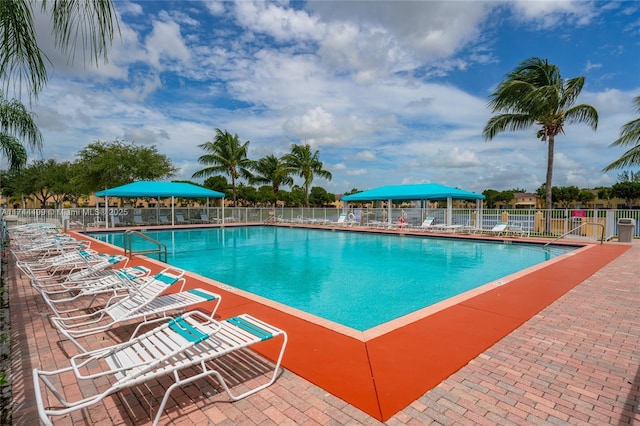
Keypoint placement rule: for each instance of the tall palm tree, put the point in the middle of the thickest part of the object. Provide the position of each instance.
(306, 165)
(226, 155)
(629, 135)
(273, 171)
(89, 25)
(534, 93)
(17, 123)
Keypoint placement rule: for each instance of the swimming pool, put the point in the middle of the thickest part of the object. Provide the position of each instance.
(359, 280)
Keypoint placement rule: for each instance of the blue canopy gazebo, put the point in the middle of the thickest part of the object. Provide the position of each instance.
(159, 190)
(415, 192)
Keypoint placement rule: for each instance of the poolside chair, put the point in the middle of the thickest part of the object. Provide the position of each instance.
(426, 225)
(164, 220)
(146, 302)
(137, 219)
(180, 348)
(340, 221)
(73, 296)
(180, 220)
(95, 265)
(68, 263)
(115, 220)
(204, 218)
(46, 249)
(516, 230)
(499, 229)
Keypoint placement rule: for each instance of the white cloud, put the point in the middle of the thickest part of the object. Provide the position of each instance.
(165, 43)
(282, 23)
(365, 156)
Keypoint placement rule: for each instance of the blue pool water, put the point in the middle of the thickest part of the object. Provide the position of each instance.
(356, 279)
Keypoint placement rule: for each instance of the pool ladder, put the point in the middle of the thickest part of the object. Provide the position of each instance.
(160, 249)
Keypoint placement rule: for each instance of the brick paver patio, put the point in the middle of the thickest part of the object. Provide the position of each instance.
(575, 362)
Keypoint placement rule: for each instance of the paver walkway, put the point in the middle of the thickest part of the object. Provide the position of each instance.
(575, 362)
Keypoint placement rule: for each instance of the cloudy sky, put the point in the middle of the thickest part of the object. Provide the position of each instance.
(389, 92)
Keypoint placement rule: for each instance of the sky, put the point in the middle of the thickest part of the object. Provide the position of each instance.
(388, 92)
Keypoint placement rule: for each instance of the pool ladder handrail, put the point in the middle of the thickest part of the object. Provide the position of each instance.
(128, 245)
(578, 227)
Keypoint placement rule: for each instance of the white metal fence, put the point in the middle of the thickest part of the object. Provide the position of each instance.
(580, 223)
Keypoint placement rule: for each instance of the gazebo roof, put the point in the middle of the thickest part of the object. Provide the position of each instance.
(160, 190)
(420, 191)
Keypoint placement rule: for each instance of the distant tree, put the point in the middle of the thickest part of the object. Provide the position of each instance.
(217, 183)
(109, 164)
(352, 191)
(266, 195)
(505, 196)
(225, 155)
(319, 197)
(72, 190)
(627, 187)
(567, 195)
(60, 182)
(534, 93)
(247, 194)
(604, 194)
(273, 171)
(307, 165)
(586, 196)
(490, 197)
(628, 191)
(294, 198)
(38, 179)
(629, 136)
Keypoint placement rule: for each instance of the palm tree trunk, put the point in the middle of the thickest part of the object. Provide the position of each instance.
(233, 189)
(549, 198)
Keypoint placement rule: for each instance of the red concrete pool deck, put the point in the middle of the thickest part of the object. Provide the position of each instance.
(510, 355)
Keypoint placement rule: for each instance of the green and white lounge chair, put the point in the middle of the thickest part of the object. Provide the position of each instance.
(148, 303)
(180, 349)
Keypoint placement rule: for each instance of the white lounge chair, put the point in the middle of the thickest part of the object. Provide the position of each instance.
(164, 220)
(69, 265)
(137, 219)
(180, 220)
(180, 348)
(204, 218)
(426, 225)
(340, 221)
(74, 296)
(499, 229)
(145, 302)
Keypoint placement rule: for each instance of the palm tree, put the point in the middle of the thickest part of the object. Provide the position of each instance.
(306, 165)
(17, 123)
(22, 63)
(629, 135)
(226, 155)
(273, 171)
(21, 60)
(534, 93)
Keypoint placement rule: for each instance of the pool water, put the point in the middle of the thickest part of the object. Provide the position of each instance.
(356, 279)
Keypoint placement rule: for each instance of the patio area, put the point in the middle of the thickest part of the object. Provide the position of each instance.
(575, 362)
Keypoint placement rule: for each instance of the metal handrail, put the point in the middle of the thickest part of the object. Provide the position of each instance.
(128, 245)
(578, 227)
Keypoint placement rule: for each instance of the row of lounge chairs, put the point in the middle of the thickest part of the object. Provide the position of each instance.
(91, 293)
(163, 219)
(428, 225)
